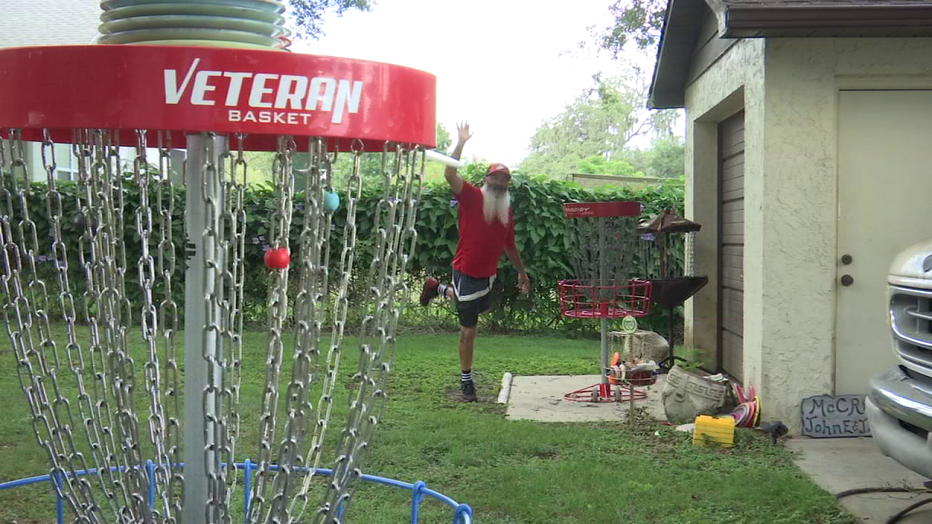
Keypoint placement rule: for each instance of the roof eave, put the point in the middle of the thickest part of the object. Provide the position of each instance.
(675, 45)
(652, 97)
(742, 20)
(749, 21)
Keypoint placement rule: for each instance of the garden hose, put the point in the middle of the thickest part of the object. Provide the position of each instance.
(897, 517)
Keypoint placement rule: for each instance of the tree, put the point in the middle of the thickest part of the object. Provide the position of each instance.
(308, 15)
(599, 165)
(664, 159)
(667, 159)
(639, 21)
(601, 121)
(443, 138)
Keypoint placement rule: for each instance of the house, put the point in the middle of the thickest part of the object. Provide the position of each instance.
(53, 22)
(809, 165)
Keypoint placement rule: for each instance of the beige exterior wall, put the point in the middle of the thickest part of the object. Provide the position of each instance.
(734, 82)
(790, 92)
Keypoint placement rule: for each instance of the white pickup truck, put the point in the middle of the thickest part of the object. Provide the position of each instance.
(899, 406)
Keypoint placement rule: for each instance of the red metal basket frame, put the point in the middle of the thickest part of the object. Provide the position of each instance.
(579, 299)
(263, 94)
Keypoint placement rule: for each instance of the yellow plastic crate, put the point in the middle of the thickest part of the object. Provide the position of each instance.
(712, 429)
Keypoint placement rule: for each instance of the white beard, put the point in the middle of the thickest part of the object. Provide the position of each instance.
(495, 205)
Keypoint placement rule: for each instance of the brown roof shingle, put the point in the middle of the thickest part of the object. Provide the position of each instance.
(777, 19)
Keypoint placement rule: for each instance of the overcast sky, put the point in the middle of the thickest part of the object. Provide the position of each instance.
(504, 65)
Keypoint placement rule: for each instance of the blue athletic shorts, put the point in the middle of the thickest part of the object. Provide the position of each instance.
(472, 297)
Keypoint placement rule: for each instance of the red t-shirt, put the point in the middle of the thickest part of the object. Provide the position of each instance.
(481, 243)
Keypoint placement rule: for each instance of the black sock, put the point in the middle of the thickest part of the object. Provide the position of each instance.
(466, 376)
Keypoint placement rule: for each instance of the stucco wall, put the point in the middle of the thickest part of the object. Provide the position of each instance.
(790, 95)
(734, 82)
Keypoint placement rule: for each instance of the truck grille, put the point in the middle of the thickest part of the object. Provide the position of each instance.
(911, 320)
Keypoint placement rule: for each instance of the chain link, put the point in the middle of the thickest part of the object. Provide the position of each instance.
(608, 260)
(168, 472)
(310, 312)
(212, 343)
(395, 238)
(263, 506)
(99, 431)
(111, 435)
(151, 326)
(230, 349)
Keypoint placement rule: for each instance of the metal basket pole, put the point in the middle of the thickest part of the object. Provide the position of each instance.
(202, 214)
(603, 321)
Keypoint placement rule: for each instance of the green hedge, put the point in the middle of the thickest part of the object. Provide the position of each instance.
(540, 229)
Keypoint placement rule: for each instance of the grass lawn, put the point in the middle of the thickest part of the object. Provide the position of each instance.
(508, 471)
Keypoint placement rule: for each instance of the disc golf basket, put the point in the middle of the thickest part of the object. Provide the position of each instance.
(151, 436)
(664, 239)
(601, 237)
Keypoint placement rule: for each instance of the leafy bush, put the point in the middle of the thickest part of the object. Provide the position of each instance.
(540, 230)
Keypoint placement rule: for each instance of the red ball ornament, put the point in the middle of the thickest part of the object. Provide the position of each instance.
(277, 258)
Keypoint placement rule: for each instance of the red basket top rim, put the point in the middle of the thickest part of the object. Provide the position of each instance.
(601, 209)
(604, 283)
(356, 104)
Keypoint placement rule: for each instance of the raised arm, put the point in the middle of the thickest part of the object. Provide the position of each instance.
(453, 178)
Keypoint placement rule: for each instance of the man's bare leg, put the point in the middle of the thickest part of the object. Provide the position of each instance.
(467, 344)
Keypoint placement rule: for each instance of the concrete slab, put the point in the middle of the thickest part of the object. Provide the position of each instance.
(841, 464)
(541, 398)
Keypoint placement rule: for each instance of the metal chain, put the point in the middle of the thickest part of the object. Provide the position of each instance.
(214, 235)
(22, 303)
(298, 390)
(114, 448)
(310, 309)
(91, 181)
(395, 238)
(262, 506)
(230, 349)
(104, 370)
(150, 323)
(310, 313)
(168, 472)
(618, 251)
(117, 318)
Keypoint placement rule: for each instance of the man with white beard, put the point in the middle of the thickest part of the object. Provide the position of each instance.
(486, 229)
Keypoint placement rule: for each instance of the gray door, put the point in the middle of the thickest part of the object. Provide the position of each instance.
(884, 188)
(731, 245)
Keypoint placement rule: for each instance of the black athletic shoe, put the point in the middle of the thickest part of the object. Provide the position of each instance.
(429, 292)
(469, 392)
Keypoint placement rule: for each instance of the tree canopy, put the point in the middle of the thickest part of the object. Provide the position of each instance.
(308, 15)
(637, 21)
(601, 121)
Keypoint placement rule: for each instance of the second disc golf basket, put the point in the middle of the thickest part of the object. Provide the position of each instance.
(601, 238)
(665, 250)
(140, 421)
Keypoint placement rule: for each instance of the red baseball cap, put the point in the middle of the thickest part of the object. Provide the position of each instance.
(498, 168)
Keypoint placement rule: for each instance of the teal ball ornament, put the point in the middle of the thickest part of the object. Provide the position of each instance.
(332, 201)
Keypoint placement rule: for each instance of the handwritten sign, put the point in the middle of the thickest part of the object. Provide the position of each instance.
(825, 416)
